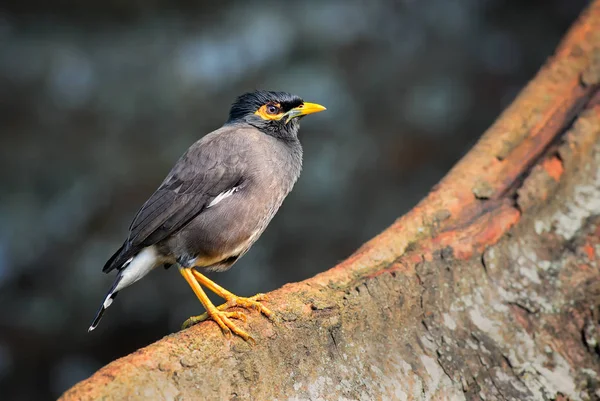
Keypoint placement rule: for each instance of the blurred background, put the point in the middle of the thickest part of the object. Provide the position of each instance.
(98, 99)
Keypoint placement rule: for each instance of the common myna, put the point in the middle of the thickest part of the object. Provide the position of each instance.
(215, 203)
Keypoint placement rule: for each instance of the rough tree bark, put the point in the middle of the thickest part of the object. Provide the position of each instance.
(487, 289)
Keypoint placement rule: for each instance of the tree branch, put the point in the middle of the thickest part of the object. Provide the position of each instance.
(487, 288)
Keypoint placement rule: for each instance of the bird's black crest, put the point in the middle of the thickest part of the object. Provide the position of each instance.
(248, 103)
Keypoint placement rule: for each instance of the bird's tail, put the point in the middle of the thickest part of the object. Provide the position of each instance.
(132, 270)
(112, 294)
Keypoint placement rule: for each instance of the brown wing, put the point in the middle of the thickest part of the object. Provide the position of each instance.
(211, 166)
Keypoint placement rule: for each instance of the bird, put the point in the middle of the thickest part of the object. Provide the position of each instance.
(215, 203)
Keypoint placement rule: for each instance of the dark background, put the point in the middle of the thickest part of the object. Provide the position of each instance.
(99, 98)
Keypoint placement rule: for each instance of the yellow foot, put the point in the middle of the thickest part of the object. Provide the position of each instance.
(223, 319)
(200, 318)
(248, 303)
(218, 314)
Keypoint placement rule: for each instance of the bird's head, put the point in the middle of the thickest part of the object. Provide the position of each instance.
(275, 113)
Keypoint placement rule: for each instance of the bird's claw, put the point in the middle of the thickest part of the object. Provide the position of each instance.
(223, 317)
(227, 326)
(200, 318)
(250, 303)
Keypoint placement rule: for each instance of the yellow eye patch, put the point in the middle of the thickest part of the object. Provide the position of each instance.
(270, 111)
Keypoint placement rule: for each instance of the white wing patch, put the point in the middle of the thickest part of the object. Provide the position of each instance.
(221, 196)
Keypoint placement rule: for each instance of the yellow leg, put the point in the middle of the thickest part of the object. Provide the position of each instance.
(222, 318)
(232, 299)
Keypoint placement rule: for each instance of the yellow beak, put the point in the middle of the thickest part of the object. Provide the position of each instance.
(303, 110)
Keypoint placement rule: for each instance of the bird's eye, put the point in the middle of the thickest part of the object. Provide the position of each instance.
(272, 109)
